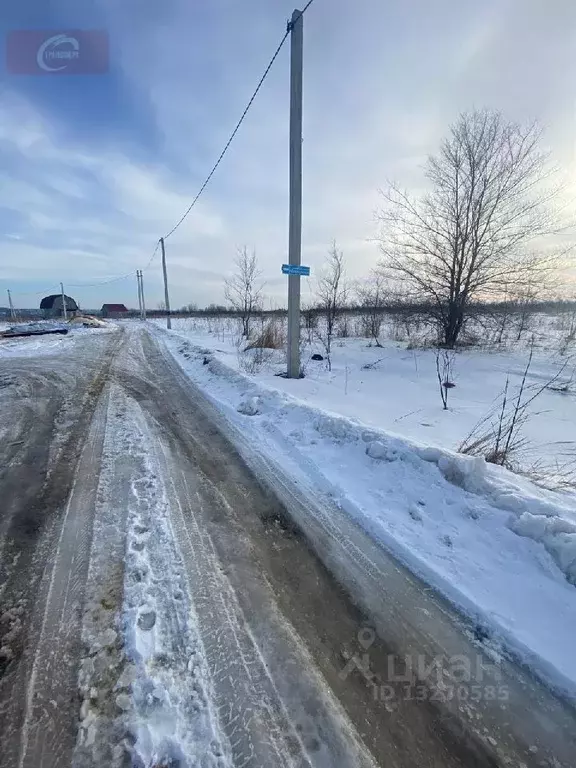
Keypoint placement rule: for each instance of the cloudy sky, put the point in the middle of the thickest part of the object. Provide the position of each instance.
(94, 169)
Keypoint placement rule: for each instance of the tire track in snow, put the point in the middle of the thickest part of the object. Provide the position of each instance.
(250, 710)
(47, 520)
(49, 708)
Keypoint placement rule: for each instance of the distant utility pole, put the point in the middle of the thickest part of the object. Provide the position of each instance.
(142, 294)
(12, 312)
(64, 313)
(296, 27)
(166, 297)
(139, 293)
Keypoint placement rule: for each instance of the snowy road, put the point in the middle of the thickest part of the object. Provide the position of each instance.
(158, 606)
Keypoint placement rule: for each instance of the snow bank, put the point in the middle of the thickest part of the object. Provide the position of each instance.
(541, 515)
(557, 535)
(499, 548)
(544, 517)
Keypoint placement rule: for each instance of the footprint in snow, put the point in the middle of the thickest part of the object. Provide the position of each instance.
(147, 619)
(140, 529)
(140, 574)
(414, 513)
(123, 702)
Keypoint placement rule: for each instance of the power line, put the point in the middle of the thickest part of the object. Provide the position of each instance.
(100, 282)
(36, 293)
(308, 4)
(90, 285)
(151, 259)
(114, 279)
(239, 123)
(232, 136)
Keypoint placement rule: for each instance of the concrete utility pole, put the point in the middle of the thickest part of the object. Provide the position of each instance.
(64, 313)
(166, 297)
(12, 312)
(296, 27)
(139, 293)
(142, 292)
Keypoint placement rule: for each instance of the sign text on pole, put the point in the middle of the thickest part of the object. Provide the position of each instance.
(295, 269)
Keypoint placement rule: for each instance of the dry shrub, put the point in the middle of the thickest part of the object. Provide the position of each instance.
(498, 437)
(271, 336)
(554, 474)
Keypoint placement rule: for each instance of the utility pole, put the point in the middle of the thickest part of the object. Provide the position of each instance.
(296, 27)
(64, 313)
(12, 312)
(139, 293)
(166, 297)
(142, 292)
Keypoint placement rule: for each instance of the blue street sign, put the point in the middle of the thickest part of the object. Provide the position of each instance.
(292, 269)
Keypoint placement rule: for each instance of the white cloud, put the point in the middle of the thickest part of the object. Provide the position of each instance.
(80, 230)
(382, 83)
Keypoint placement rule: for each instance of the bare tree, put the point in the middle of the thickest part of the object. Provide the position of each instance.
(243, 290)
(468, 236)
(372, 299)
(331, 293)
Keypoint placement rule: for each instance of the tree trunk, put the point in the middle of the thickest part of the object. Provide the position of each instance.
(453, 326)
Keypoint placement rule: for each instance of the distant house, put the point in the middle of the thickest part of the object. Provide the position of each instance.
(114, 310)
(51, 306)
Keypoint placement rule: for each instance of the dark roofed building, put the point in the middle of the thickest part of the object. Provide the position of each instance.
(51, 306)
(113, 310)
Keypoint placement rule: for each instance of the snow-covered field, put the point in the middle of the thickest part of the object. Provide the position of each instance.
(377, 441)
(396, 387)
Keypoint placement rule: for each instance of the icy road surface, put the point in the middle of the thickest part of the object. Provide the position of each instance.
(160, 607)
